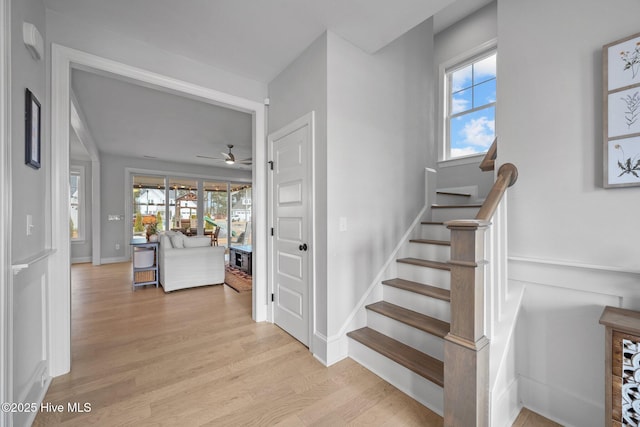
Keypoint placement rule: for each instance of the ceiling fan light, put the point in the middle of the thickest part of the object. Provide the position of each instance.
(229, 161)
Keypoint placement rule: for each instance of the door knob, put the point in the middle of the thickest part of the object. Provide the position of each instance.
(303, 247)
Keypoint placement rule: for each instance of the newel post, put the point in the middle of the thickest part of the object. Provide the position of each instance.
(466, 349)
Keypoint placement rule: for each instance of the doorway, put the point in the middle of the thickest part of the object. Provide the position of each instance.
(63, 61)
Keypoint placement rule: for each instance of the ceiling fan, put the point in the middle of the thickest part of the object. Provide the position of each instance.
(229, 158)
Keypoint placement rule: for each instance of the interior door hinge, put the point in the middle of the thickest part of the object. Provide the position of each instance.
(272, 298)
(271, 164)
(272, 231)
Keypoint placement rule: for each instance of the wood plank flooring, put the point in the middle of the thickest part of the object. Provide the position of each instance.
(194, 357)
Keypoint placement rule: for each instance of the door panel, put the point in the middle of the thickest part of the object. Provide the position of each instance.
(291, 213)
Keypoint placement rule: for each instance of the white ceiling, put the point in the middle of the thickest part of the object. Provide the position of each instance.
(136, 121)
(252, 38)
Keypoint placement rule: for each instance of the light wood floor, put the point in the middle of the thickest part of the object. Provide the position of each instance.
(194, 357)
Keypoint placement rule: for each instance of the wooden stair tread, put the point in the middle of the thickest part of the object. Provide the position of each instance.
(474, 205)
(412, 318)
(419, 288)
(412, 359)
(425, 263)
(451, 193)
(431, 242)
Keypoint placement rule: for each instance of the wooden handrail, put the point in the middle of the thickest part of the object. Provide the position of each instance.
(507, 176)
(489, 160)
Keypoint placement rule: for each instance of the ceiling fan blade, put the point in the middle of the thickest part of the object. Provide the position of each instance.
(226, 155)
(208, 157)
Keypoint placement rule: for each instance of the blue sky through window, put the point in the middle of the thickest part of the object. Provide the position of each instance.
(472, 99)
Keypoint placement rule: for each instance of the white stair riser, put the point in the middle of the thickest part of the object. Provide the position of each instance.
(431, 276)
(410, 383)
(420, 340)
(451, 199)
(422, 304)
(429, 251)
(434, 232)
(448, 214)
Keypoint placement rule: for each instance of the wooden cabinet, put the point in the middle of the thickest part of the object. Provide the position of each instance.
(622, 366)
(240, 257)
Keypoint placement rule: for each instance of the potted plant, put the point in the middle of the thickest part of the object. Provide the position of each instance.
(152, 232)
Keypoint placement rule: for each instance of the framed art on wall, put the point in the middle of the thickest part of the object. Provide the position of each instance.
(621, 112)
(32, 130)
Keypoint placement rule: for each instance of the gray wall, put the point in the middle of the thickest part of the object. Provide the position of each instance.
(113, 197)
(30, 190)
(298, 90)
(456, 40)
(380, 139)
(572, 243)
(374, 137)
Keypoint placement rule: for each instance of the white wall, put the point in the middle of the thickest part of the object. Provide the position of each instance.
(380, 138)
(113, 197)
(70, 32)
(30, 190)
(572, 243)
(297, 90)
(450, 44)
(374, 137)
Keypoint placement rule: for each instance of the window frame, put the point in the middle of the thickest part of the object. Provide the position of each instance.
(446, 70)
(82, 203)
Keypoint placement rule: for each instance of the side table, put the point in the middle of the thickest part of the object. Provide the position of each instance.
(145, 263)
(622, 366)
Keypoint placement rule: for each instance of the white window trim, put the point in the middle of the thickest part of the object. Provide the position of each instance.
(82, 203)
(443, 161)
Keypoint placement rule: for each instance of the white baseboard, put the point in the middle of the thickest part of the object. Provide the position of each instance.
(81, 260)
(34, 392)
(561, 406)
(505, 405)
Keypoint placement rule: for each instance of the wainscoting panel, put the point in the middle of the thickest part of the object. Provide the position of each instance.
(559, 342)
(30, 366)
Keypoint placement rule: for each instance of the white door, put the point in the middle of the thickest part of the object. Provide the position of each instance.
(291, 262)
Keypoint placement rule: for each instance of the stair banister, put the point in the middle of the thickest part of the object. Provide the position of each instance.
(466, 348)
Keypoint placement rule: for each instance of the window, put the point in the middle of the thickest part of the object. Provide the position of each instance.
(148, 203)
(470, 106)
(76, 203)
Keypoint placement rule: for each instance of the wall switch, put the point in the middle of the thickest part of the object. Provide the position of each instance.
(29, 225)
(117, 246)
(342, 223)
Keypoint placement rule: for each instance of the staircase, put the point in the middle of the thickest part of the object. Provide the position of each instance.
(450, 295)
(403, 341)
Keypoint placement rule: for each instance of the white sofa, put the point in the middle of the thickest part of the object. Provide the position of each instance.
(187, 262)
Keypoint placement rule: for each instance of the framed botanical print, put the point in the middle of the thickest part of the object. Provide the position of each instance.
(621, 112)
(32, 130)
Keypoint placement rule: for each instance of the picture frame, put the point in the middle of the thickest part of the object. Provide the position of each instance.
(621, 112)
(33, 130)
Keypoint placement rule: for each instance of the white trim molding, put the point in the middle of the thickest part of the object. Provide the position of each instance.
(6, 281)
(63, 59)
(562, 303)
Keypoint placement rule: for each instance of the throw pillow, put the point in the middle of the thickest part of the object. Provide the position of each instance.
(165, 241)
(177, 241)
(196, 242)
